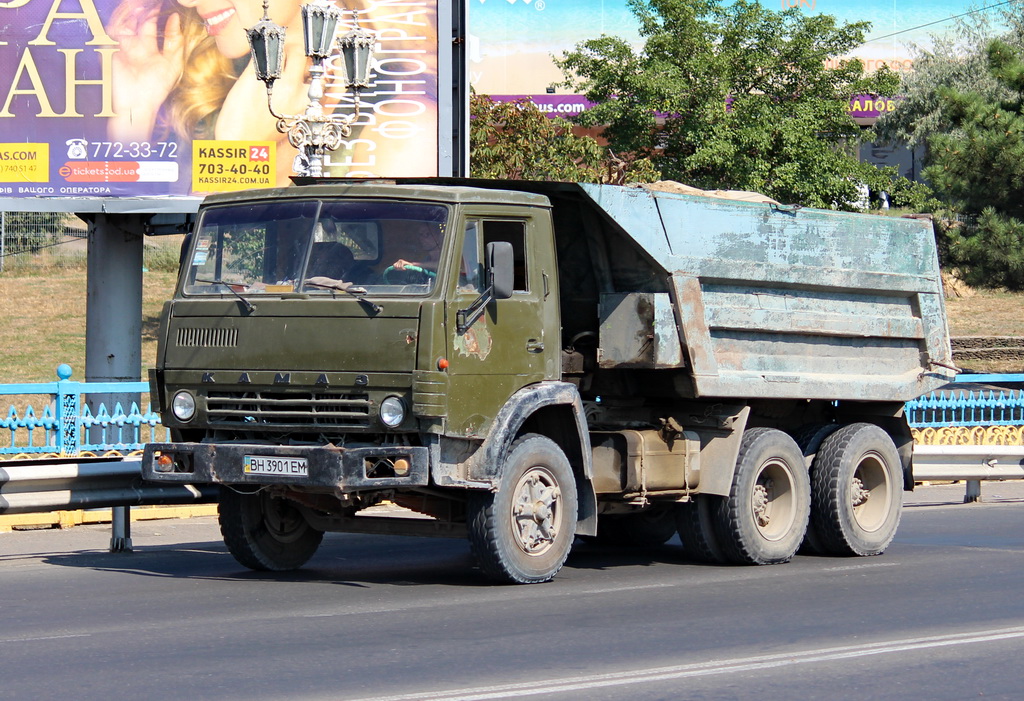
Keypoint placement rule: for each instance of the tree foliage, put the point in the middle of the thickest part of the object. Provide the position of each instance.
(735, 96)
(977, 169)
(956, 59)
(516, 141)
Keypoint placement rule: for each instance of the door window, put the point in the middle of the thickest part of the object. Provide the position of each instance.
(471, 269)
(515, 233)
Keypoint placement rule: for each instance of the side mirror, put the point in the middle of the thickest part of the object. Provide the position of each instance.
(500, 264)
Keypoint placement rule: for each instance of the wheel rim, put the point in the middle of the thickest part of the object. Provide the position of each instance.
(870, 491)
(772, 501)
(536, 507)
(282, 522)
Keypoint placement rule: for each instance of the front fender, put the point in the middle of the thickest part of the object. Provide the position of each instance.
(575, 441)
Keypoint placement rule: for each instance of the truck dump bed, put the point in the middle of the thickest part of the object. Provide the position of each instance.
(751, 299)
(780, 301)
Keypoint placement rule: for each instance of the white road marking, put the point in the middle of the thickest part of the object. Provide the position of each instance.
(35, 638)
(865, 566)
(701, 669)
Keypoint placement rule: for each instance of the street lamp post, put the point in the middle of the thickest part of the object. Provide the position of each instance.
(313, 132)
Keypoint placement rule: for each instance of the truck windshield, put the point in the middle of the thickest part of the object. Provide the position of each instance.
(316, 247)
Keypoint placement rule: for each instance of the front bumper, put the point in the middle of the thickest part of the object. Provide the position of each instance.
(348, 469)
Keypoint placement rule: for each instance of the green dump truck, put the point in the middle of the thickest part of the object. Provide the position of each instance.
(525, 363)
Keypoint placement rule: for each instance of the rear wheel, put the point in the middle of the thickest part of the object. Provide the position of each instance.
(764, 518)
(810, 438)
(523, 532)
(696, 524)
(857, 491)
(265, 533)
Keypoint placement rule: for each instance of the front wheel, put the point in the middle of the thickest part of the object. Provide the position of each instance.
(764, 518)
(857, 482)
(523, 532)
(266, 533)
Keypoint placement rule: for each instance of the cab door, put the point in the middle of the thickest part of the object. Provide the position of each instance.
(515, 343)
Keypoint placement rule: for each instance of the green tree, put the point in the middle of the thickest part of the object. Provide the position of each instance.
(735, 96)
(516, 141)
(977, 169)
(956, 59)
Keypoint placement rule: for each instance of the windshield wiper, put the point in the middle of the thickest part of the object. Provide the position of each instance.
(348, 287)
(249, 306)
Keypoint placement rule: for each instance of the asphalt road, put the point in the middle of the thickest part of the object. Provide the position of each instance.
(939, 616)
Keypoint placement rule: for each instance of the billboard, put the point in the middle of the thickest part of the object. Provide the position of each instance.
(154, 98)
(513, 41)
(117, 99)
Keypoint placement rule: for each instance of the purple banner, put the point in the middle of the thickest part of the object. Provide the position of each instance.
(567, 106)
(871, 106)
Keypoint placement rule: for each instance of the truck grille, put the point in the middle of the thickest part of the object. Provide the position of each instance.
(208, 338)
(292, 411)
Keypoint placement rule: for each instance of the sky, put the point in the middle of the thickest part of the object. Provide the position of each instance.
(526, 33)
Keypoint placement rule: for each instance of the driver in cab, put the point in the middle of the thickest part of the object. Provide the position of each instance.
(421, 249)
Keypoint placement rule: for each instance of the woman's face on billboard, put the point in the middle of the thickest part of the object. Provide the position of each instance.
(226, 19)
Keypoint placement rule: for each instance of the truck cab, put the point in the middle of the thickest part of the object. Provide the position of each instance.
(329, 347)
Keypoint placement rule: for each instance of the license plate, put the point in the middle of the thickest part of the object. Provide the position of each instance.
(274, 465)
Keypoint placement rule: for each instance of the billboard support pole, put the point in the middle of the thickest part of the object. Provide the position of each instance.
(453, 106)
(113, 328)
(113, 325)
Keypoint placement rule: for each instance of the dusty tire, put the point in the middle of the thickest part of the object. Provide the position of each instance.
(764, 518)
(266, 534)
(696, 526)
(810, 438)
(857, 484)
(522, 533)
(646, 529)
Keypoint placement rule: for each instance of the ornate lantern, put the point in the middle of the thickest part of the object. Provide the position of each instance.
(266, 40)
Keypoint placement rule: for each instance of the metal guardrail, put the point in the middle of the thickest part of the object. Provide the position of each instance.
(45, 470)
(973, 417)
(968, 462)
(35, 486)
(52, 483)
(972, 464)
(29, 487)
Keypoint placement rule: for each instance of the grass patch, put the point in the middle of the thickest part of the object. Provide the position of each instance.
(42, 313)
(986, 313)
(43, 300)
(163, 258)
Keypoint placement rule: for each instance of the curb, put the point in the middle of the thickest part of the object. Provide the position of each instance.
(67, 519)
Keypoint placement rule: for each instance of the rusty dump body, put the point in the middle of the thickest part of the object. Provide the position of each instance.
(755, 300)
(555, 356)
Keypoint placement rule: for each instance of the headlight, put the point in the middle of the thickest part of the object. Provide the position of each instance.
(183, 406)
(392, 412)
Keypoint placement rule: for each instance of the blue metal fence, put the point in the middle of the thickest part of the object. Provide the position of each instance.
(980, 407)
(960, 408)
(67, 426)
